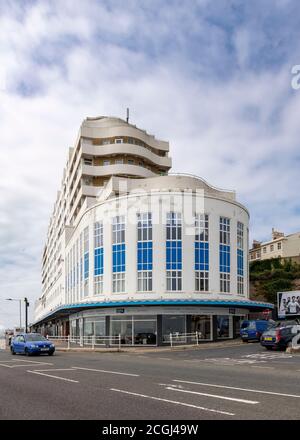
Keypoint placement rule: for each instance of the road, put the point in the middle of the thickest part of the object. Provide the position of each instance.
(230, 383)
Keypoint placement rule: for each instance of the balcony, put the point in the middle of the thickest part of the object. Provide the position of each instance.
(117, 169)
(127, 149)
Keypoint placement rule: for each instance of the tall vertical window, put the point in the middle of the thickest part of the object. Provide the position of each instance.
(86, 260)
(240, 258)
(98, 258)
(201, 253)
(224, 252)
(144, 252)
(118, 251)
(174, 251)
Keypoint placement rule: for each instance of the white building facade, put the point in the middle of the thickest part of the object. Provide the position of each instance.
(149, 255)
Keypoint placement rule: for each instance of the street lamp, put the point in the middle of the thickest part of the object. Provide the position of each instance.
(20, 303)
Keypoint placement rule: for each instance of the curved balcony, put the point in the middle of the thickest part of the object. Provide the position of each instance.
(117, 170)
(95, 129)
(126, 149)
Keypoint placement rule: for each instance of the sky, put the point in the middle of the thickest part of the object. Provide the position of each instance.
(213, 77)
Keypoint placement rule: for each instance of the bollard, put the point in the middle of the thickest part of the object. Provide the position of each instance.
(93, 342)
(197, 339)
(68, 342)
(171, 340)
(119, 342)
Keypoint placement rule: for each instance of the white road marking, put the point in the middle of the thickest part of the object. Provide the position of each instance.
(269, 356)
(234, 399)
(165, 359)
(31, 362)
(57, 369)
(27, 363)
(239, 389)
(106, 371)
(173, 401)
(54, 377)
(258, 366)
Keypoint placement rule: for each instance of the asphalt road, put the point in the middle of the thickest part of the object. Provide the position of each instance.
(234, 382)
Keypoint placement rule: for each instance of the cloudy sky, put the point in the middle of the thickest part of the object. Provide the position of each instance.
(211, 76)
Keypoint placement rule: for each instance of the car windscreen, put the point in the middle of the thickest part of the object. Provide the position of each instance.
(36, 337)
(252, 325)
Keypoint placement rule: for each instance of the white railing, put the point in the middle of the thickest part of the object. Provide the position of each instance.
(85, 341)
(185, 338)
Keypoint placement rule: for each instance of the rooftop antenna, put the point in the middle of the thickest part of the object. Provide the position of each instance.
(127, 116)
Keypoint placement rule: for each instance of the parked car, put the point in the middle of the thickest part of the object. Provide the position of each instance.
(280, 335)
(145, 338)
(31, 343)
(253, 329)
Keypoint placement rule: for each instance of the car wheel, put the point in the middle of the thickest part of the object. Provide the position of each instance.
(26, 352)
(50, 353)
(268, 347)
(12, 351)
(245, 340)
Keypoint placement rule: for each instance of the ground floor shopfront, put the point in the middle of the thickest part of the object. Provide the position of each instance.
(149, 325)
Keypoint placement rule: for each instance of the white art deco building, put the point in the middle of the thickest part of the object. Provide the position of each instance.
(134, 251)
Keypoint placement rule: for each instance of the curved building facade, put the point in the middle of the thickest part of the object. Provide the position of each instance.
(151, 255)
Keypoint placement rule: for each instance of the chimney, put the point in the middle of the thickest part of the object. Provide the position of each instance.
(256, 244)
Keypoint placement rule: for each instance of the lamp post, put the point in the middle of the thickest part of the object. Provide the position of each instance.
(20, 306)
(26, 314)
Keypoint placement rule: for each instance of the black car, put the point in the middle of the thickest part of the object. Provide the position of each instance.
(279, 336)
(145, 338)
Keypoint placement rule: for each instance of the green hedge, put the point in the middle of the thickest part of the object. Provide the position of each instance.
(272, 276)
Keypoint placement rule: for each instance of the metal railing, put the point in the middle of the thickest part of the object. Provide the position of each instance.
(93, 341)
(185, 338)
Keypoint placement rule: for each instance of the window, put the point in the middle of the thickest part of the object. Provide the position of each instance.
(144, 281)
(201, 253)
(144, 224)
(119, 282)
(118, 161)
(225, 282)
(130, 162)
(119, 141)
(224, 230)
(86, 260)
(201, 281)
(98, 285)
(224, 252)
(105, 142)
(278, 246)
(88, 161)
(144, 251)
(106, 162)
(118, 251)
(173, 226)
(98, 234)
(272, 248)
(118, 229)
(201, 225)
(174, 251)
(240, 258)
(265, 250)
(98, 258)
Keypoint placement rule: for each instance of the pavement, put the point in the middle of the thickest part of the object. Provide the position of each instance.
(217, 382)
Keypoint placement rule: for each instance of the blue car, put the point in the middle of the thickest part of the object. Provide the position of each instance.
(31, 343)
(253, 329)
